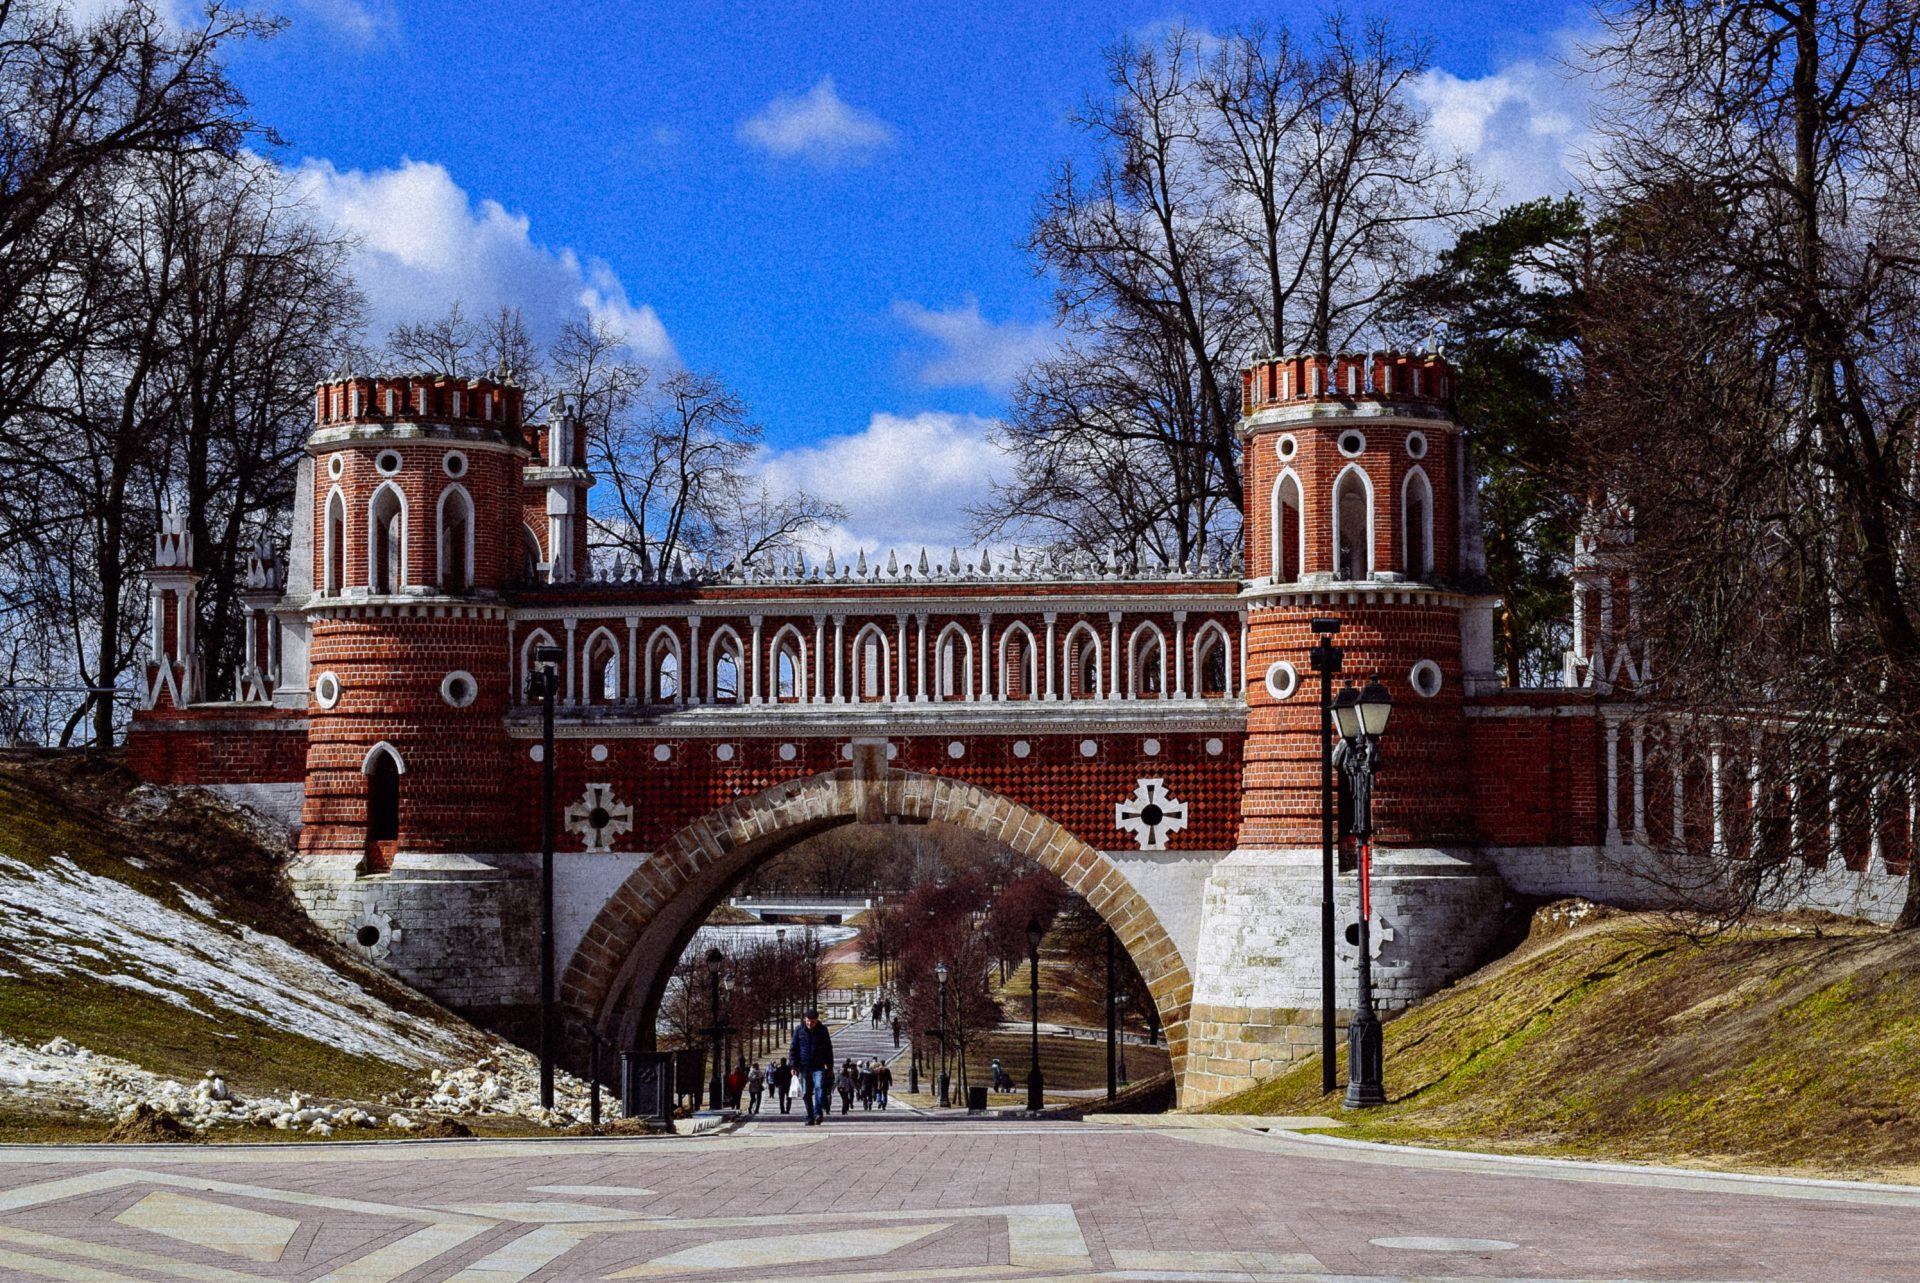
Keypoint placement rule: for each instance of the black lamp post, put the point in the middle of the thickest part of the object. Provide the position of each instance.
(1119, 1011)
(1036, 1085)
(940, 973)
(813, 965)
(542, 684)
(1325, 658)
(1362, 718)
(716, 1089)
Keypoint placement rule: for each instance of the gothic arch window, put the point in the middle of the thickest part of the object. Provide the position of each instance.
(663, 667)
(1353, 524)
(1289, 529)
(1082, 652)
(537, 638)
(387, 540)
(953, 664)
(1212, 662)
(529, 555)
(334, 545)
(1019, 663)
(723, 659)
(1147, 662)
(600, 661)
(872, 665)
(455, 540)
(789, 666)
(1416, 524)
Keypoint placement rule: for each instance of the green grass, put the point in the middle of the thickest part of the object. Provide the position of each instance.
(1765, 1047)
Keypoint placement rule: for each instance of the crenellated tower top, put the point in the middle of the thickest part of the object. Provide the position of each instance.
(463, 405)
(1348, 378)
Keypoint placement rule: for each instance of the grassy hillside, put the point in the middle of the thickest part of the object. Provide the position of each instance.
(1791, 1044)
(158, 929)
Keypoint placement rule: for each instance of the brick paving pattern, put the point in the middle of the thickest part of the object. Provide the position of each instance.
(875, 1198)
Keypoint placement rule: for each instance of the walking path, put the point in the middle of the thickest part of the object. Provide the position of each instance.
(900, 1197)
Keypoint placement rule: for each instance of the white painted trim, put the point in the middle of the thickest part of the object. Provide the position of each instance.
(739, 651)
(1425, 570)
(587, 666)
(1099, 662)
(1273, 524)
(857, 690)
(452, 490)
(1198, 670)
(373, 542)
(399, 762)
(802, 686)
(651, 668)
(1373, 521)
(1133, 661)
(1033, 660)
(940, 644)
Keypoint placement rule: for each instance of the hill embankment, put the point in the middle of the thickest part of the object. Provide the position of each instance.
(1792, 1044)
(152, 954)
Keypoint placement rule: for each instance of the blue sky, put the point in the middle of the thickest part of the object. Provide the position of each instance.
(822, 203)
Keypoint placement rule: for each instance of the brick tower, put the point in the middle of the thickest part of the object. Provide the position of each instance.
(1358, 509)
(418, 535)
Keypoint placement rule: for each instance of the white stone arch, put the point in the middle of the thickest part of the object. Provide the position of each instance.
(1072, 671)
(663, 644)
(538, 637)
(1145, 634)
(454, 494)
(532, 556)
(399, 762)
(1277, 525)
(1205, 637)
(725, 643)
(333, 543)
(1416, 485)
(953, 665)
(376, 509)
(1364, 485)
(596, 673)
(879, 689)
(787, 636)
(1033, 661)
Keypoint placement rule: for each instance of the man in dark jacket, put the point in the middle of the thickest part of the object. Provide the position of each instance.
(812, 1059)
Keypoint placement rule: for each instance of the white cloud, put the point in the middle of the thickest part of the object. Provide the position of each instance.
(973, 351)
(1525, 125)
(906, 482)
(817, 126)
(362, 21)
(425, 245)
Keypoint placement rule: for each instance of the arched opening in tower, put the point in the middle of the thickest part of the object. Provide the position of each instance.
(1353, 533)
(383, 810)
(386, 567)
(1286, 531)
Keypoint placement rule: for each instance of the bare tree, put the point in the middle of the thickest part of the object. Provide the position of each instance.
(1750, 399)
(1251, 192)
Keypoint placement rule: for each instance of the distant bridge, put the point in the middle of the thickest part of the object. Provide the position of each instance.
(787, 908)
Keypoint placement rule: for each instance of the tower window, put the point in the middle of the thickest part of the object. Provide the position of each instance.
(386, 548)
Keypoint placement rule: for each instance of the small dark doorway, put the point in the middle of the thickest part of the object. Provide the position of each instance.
(383, 810)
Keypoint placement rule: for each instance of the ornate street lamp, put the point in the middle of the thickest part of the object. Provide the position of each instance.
(1361, 717)
(1325, 658)
(716, 1090)
(940, 972)
(813, 964)
(542, 684)
(1036, 1086)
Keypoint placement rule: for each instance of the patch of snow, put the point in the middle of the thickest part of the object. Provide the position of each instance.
(62, 920)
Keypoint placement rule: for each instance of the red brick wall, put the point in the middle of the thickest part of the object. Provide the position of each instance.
(1422, 795)
(1077, 792)
(218, 746)
(390, 670)
(1537, 777)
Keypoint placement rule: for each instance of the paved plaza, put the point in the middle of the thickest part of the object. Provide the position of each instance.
(899, 1197)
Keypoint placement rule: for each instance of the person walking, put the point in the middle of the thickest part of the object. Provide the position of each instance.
(866, 1084)
(876, 1015)
(783, 1084)
(882, 1082)
(846, 1088)
(896, 1033)
(756, 1084)
(812, 1057)
(736, 1083)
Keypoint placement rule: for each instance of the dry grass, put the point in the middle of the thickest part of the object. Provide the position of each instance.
(1783, 1046)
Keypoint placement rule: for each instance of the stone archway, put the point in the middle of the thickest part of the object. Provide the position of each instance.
(611, 980)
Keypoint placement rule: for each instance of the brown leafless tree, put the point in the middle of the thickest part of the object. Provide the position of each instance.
(1750, 399)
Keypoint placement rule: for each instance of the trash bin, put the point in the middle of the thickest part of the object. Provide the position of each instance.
(976, 1100)
(646, 1084)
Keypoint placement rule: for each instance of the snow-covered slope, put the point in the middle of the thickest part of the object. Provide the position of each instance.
(150, 953)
